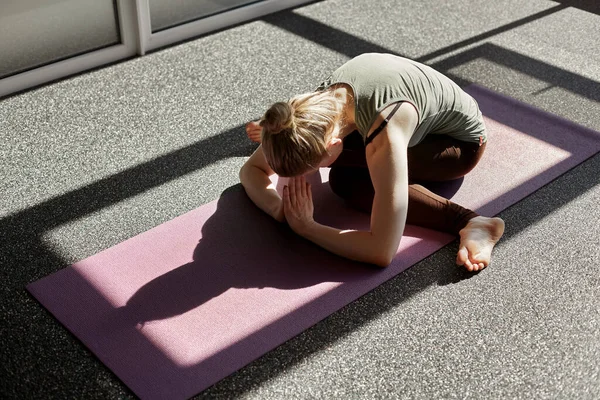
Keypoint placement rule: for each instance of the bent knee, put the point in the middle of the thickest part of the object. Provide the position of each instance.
(354, 186)
(340, 181)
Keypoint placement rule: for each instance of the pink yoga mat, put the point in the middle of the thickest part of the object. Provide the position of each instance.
(175, 309)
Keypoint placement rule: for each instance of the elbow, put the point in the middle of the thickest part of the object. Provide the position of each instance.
(246, 174)
(385, 255)
(243, 175)
(382, 261)
(384, 258)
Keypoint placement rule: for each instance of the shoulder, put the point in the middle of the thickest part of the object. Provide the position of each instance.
(399, 128)
(258, 160)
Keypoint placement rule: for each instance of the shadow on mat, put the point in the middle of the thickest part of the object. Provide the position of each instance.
(240, 247)
(243, 248)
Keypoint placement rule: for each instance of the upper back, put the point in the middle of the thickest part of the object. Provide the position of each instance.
(378, 80)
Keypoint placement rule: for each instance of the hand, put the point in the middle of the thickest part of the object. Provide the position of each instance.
(253, 130)
(297, 204)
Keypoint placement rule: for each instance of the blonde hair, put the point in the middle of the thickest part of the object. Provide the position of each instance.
(295, 133)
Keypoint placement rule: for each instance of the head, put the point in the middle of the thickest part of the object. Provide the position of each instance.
(302, 134)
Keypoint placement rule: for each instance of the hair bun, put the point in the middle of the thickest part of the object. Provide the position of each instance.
(278, 118)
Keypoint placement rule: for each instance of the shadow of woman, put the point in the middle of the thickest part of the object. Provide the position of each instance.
(240, 247)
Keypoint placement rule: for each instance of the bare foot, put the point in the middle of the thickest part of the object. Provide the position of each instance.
(477, 240)
(253, 130)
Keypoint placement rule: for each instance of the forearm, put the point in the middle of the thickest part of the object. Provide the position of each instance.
(262, 192)
(360, 246)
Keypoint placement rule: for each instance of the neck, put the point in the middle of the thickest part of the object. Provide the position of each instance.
(347, 124)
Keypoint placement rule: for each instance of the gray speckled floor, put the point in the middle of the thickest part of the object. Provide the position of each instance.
(90, 161)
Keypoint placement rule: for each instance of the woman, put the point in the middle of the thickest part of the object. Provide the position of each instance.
(382, 123)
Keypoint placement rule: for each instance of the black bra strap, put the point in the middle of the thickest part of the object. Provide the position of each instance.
(383, 124)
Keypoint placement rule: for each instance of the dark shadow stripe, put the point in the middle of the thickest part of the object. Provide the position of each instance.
(128, 183)
(324, 35)
(352, 46)
(592, 6)
(510, 59)
(489, 34)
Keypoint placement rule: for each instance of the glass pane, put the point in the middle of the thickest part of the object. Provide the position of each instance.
(168, 13)
(38, 32)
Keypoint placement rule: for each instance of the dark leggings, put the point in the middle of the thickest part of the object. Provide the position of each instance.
(437, 158)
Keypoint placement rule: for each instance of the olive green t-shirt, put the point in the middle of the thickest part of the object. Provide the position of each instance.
(379, 80)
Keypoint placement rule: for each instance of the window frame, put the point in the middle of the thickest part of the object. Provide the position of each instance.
(137, 38)
(79, 63)
(151, 41)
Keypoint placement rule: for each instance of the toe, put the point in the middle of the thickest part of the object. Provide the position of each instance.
(462, 256)
(469, 265)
